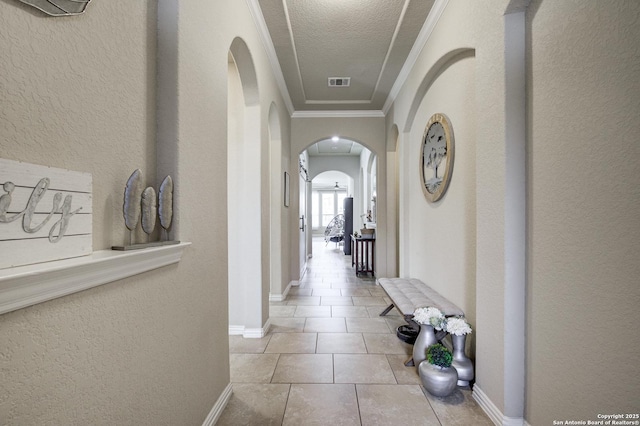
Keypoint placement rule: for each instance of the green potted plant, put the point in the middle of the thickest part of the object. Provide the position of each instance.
(431, 322)
(436, 373)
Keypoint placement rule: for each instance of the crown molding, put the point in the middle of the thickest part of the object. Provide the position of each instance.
(421, 41)
(339, 114)
(263, 31)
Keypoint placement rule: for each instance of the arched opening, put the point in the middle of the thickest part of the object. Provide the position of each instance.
(339, 168)
(248, 305)
(432, 75)
(450, 223)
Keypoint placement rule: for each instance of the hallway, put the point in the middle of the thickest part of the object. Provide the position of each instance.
(329, 358)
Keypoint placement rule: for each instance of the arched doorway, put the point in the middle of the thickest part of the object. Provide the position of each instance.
(339, 168)
(248, 304)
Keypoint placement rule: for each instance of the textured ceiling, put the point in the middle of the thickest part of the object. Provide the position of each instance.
(366, 40)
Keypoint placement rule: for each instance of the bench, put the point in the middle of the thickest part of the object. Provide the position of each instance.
(408, 294)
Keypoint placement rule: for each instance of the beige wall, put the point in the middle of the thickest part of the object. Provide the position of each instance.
(442, 235)
(584, 199)
(81, 93)
(439, 242)
(582, 236)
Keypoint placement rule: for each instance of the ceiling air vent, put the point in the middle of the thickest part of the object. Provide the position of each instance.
(339, 81)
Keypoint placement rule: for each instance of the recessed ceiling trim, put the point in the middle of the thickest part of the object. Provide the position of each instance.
(391, 44)
(295, 49)
(322, 102)
(421, 41)
(339, 114)
(256, 13)
(261, 25)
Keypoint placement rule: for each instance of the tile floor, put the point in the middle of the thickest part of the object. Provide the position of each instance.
(330, 359)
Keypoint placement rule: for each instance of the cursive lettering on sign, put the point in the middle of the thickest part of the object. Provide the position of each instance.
(27, 214)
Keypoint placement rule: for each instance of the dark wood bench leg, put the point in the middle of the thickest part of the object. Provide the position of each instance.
(387, 310)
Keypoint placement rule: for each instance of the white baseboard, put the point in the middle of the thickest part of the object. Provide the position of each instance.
(250, 333)
(493, 411)
(513, 421)
(257, 333)
(219, 407)
(236, 330)
(280, 297)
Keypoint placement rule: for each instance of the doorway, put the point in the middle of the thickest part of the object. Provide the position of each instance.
(339, 168)
(248, 298)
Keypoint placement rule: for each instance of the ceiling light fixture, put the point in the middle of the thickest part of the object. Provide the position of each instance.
(335, 139)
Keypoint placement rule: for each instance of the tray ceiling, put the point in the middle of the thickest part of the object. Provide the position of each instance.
(367, 41)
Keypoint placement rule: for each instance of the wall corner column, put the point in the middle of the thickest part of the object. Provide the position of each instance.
(515, 216)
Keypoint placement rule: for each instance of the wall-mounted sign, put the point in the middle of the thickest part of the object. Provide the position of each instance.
(45, 213)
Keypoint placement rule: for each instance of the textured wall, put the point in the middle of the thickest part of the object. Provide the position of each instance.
(466, 44)
(442, 234)
(75, 91)
(465, 31)
(81, 93)
(582, 250)
(584, 198)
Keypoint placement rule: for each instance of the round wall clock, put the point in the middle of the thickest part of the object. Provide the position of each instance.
(436, 164)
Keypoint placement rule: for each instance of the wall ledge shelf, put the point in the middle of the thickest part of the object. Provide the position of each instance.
(28, 285)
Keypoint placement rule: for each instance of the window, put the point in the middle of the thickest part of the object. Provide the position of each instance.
(315, 209)
(328, 207)
(325, 205)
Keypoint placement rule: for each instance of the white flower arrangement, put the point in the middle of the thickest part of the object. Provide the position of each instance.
(430, 316)
(457, 326)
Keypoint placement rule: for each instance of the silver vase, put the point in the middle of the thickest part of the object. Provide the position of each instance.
(461, 362)
(426, 337)
(437, 380)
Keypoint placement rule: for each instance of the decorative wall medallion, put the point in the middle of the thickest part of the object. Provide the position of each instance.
(59, 7)
(436, 164)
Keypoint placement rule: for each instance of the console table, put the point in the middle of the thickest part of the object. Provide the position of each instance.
(363, 254)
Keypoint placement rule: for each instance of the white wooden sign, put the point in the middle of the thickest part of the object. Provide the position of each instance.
(45, 214)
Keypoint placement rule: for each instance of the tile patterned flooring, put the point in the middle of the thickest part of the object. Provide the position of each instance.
(330, 359)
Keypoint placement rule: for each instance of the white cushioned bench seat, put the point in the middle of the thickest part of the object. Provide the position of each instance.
(408, 294)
